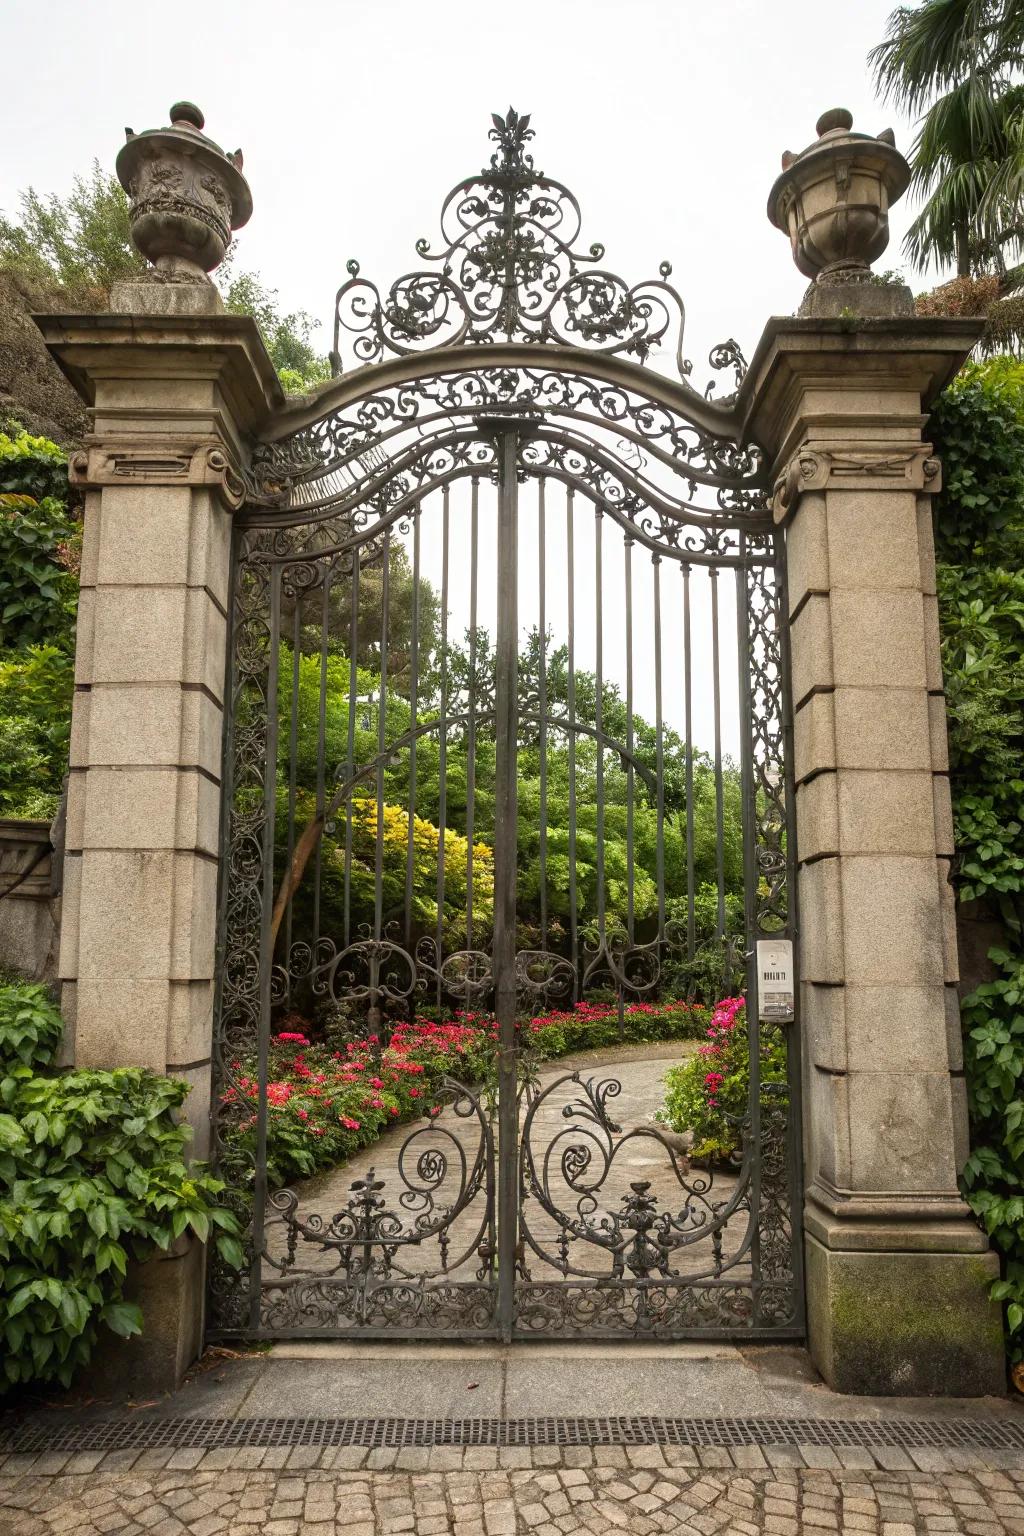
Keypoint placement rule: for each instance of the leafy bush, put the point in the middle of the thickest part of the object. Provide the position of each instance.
(978, 427)
(324, 1104)
(38, 543)
(591, 1025)
(92, 1174)
(707, 1095)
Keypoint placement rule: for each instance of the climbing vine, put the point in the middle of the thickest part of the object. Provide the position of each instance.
(978, 428)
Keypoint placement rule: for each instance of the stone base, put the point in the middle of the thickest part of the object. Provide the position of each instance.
(905, 1324)
(169, 1289)
(153, 293)
(865, 298)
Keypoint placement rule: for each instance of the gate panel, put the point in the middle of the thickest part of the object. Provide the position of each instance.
(505, 806)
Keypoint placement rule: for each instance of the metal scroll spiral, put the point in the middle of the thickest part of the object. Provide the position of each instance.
(637, 1242)
(381, 1256)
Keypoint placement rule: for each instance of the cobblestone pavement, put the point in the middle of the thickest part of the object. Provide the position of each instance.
(789, 1491)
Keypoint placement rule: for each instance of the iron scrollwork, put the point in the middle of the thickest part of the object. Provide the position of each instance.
(509, 267)
(603, 1249)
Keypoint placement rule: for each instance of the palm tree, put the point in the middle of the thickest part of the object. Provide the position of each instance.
(957, 62)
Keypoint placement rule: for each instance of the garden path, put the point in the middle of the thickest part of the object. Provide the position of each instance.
(427, 1169)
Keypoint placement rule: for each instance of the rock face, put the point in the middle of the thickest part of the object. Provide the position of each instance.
(33, 391)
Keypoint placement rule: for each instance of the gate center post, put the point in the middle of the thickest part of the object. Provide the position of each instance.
(507, 435)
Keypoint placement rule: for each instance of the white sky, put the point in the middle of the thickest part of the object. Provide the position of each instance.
(667, 118)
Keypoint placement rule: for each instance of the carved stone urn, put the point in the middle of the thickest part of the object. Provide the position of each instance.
(187, 195)
(833, 201)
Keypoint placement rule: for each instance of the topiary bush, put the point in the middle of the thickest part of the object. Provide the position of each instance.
(92, 1175)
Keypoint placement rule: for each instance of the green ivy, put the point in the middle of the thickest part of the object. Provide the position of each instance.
(92, 1175)
(978, 428)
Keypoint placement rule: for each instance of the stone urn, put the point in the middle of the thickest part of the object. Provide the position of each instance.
(833, 198)
(187, 195)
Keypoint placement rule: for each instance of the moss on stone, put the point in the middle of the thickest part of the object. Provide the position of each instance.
(893, 1323)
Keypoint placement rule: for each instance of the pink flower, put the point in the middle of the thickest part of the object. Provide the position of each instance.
(299, 1039)
(349, 1123)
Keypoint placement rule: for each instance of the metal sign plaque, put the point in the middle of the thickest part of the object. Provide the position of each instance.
(775, 980)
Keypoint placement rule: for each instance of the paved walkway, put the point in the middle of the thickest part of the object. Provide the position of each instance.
(762, 1485)
(483, 1492)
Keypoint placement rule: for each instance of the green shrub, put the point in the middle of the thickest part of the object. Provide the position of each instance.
(38, 544)
(92, 1175)
(36, 687)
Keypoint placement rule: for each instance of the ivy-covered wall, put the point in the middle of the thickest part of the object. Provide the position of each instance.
(978, 429)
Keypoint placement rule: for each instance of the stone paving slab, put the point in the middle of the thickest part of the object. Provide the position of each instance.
(485, 1492)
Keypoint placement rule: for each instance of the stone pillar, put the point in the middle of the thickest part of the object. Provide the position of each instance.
(175, 399)
(897, 1270)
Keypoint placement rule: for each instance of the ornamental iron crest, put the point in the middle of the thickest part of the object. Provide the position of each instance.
(509, 269)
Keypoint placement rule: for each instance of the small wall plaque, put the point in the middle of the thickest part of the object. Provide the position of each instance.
(775, 980)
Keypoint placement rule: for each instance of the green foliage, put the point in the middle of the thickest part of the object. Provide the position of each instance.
(958, 63)
(92, 1174)
(993, 1177)
(978, 426)
(38, 543)
(79, 244)
(707, 1095)
(288, 337)
(39, 546)
(36, 688)
(71, 250)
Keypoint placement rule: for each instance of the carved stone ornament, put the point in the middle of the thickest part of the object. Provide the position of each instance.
(833, 198)
(187, 195)
(194, 463)
(820, 467)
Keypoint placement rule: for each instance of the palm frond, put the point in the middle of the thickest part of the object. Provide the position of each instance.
(932, 47)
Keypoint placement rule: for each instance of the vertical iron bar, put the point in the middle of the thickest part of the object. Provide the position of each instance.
(266, 948)
(574, 943)
(350, 756)
(474, 555)
(691, 927)
(659, 728)
(542, 626)
(320, 749)
(630, 775)
(599, 710)
(749, 819)
(505, 858)
(719, 788)
(293, 730)
(378, 865)
(414, 689)
(442, 746)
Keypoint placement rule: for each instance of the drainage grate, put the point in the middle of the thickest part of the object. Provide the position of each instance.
(394, 1434)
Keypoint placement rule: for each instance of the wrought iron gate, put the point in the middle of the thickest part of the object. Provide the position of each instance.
(436, 841)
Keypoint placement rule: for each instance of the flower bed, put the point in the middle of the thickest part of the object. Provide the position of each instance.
(707, 1095)
(324, 1104)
